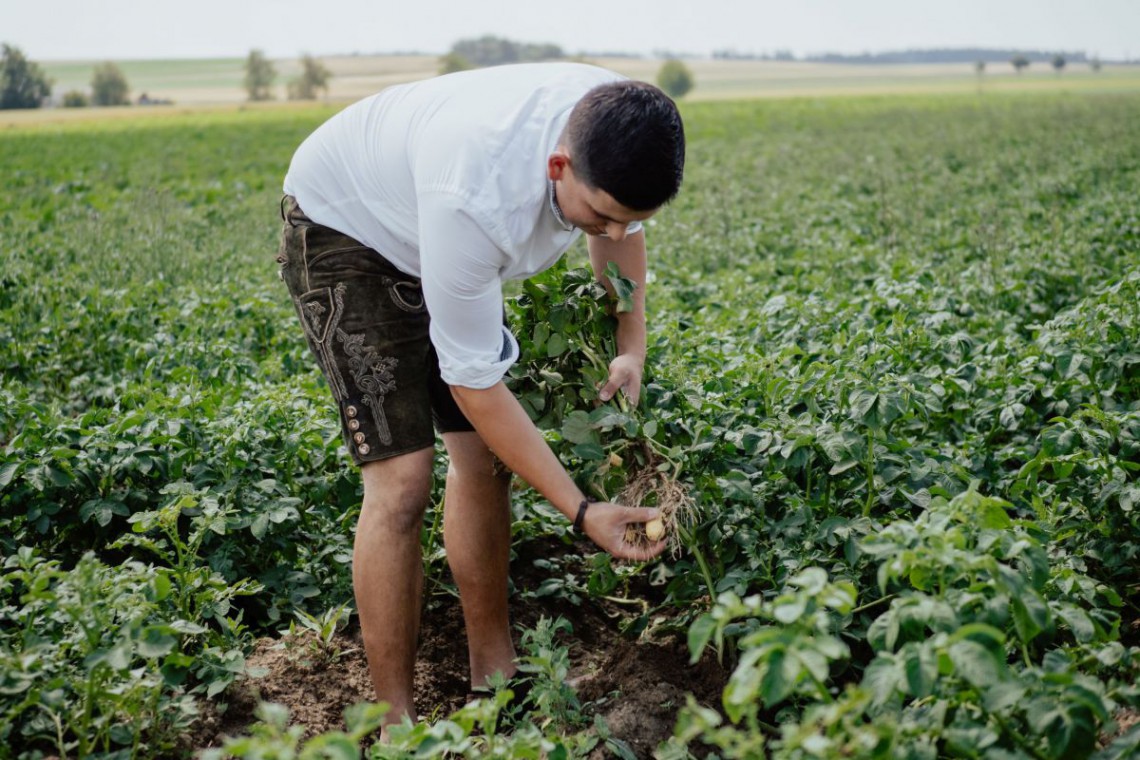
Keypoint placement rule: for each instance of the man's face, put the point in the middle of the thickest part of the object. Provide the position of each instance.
(591, 210)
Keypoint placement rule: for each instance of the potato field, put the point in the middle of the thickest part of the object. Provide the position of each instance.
(893, 392)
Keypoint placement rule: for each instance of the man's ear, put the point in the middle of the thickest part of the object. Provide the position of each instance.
(557, 164)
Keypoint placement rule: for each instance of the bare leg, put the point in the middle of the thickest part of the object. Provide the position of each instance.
(477, 533)
(387, 573)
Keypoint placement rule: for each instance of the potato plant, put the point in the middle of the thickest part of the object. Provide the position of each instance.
(892, 360)
(566, 322)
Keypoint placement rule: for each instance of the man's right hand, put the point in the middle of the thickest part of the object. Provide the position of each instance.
(605, 524)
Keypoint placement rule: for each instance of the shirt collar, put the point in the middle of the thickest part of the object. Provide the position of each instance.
(556, 210)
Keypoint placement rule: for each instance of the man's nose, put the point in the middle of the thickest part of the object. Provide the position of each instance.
(615, 231)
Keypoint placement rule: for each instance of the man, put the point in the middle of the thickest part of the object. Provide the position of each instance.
(404, 214)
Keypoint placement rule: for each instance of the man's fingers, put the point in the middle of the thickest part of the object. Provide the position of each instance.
(614, 385)
(642, 553)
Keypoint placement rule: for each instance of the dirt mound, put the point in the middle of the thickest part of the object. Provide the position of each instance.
(638, 687)
(641, 685)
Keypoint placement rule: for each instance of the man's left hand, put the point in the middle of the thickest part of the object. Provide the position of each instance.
(625, 375)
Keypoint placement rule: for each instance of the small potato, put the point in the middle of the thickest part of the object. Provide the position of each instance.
(655, 530)
(615, 460)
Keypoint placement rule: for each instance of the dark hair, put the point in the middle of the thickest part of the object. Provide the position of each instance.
(626, 138)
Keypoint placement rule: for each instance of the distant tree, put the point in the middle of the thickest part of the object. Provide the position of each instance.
(980, 67)
(489, 50)
(1058, 63)
(1094, 64)
(674, 78)
(109, 86)
(259, 76)
(23, 84)
(453, 62)
(1019, 62)
(314, 76)
(76, 99)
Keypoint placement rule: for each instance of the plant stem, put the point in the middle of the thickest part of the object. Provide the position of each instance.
(644, 605)
(690, 542)
(869, 605)
(870, 472)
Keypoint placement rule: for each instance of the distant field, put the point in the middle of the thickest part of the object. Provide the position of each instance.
(219, 81)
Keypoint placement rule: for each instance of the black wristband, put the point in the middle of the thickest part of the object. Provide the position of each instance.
(581, 515)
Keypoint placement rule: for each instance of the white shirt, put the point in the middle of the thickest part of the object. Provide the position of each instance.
(446, 178)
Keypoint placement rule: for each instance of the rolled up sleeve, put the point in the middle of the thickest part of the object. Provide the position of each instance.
(460, 266)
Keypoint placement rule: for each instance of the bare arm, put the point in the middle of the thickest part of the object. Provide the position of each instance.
(504, 426)
(629, 255)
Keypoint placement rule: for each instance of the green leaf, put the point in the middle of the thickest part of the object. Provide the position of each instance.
(1058, 441)
(259, 525)
(118, 657)
(102, 510)
(882, 678)
(788, 609)
(743, 684)
(58, 477)
(623, 288)
(841, 467)
(557, 345)
(331, 746)
(863, 407)
(699, 634)
(991, 515)
(780, 677)
(8, 471)
(577, 428)
(589, 452)
(1002, 696)
(1030, 615)
(975, 663)
(156, 641)
(737, 486)
(162, 586)
(1078, 621)
(921, 670)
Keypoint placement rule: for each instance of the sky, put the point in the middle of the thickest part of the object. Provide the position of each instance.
(134, 29)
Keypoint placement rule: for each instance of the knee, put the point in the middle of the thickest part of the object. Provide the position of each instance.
(398, 507)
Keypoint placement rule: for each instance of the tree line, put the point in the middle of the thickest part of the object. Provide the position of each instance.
(674, 77)
(25, 84)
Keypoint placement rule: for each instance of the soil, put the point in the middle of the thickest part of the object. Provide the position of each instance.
(637, 685)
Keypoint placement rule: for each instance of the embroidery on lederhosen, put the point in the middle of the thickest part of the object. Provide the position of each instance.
(372, 374)
(318, 327)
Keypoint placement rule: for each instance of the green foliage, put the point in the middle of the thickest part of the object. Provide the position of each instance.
(675, 78)
(453, 62)
(101, 657)
(1019, 62)
(489, 50)
(892, 355)
(273, 737)
(75, 99)
(259, 76)
(314, 79)
(23, 84)
(109, 85)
